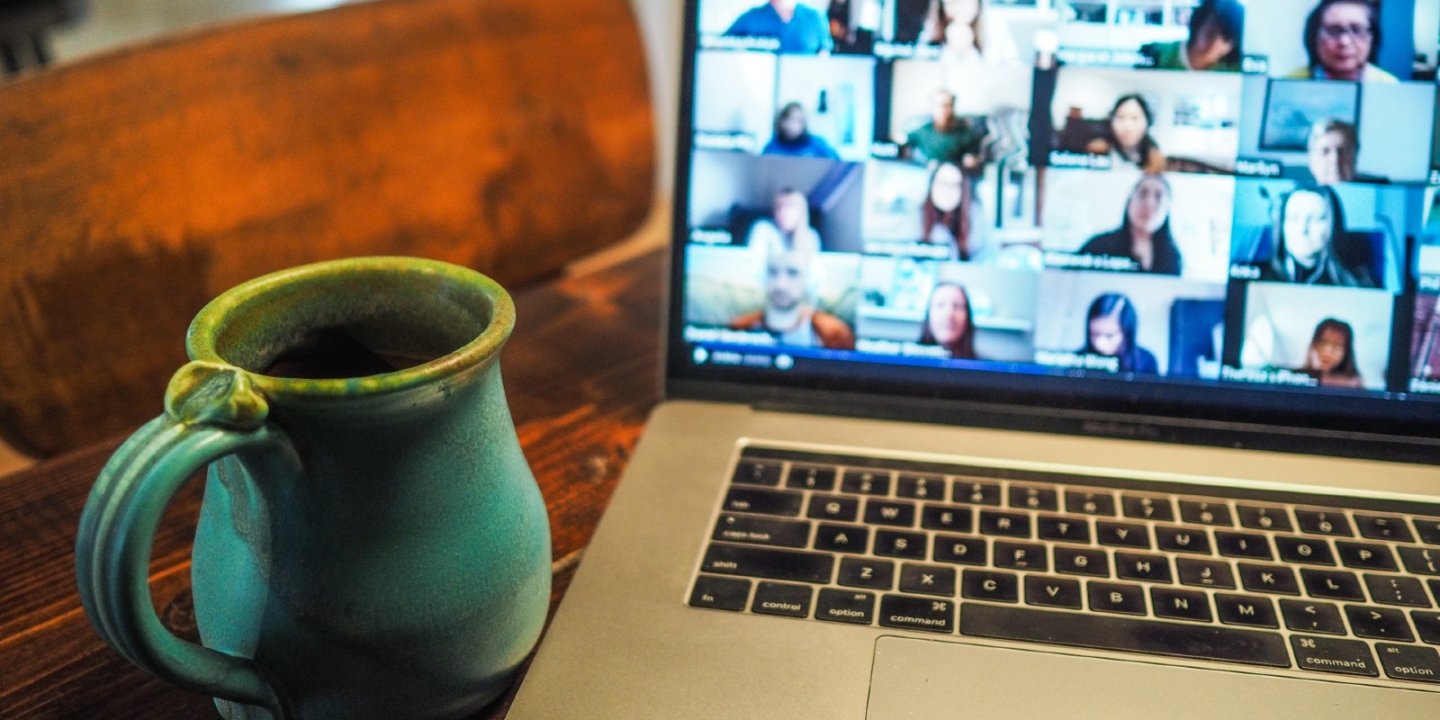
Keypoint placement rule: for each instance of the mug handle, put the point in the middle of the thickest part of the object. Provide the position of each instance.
(211, 410)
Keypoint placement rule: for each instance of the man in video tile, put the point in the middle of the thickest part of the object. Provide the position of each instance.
(801, 30)
(790, 314)
(947, 137)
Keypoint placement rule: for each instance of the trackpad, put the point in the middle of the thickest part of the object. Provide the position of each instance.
(915, 679)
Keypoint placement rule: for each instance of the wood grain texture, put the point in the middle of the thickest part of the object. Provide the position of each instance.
(581, 376)
(507, 135)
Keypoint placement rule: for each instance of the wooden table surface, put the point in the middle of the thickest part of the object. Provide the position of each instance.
(580, 374)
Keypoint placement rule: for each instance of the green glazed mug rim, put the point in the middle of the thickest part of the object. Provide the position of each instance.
(202, 340)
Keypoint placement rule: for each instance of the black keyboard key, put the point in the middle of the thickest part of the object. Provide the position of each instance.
(1332, 585)
(1248, 610)
(992, 586)
(912, 613)
(834, 507)
(769, 564)
(1258, 517)
(1323, 522)
(764, 502)
(927, 580)
(1034, 498)
(1246, 546)
(758, 472)
(1428, 528)
(1175, 604)
(1421, 561)
(718, 593)
(1021, 556)
(898, 544)
(1397, 590)
(1378, 623)
(1329, 655)
(889, 513)
(1127, 535)
(762, 531)
(773, 598)
(1205, 573)
(977, 492)
(960, 550)
(866, 482)
(946, 518)
(921, 487)
(1408, 662)
(1428, 625)
(868, 573)
(1064, 529)
(1116, 598)
(1274, 579)
(1053, 592)
(1182, 540)
(1365, 556)
(1201, 642)
(1312, 617)
(1144, 507)
(1090, 503)
(1134, 566)
(1015, 525)
(811, 477)
(1082, 561)
(1381, 527)
(1201, 512)
(845, 606)
(1308, 551)
(842, 538)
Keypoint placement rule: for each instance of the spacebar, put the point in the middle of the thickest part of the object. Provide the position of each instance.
(1206, 642)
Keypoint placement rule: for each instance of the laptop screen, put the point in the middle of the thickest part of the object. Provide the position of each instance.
(1188, 208)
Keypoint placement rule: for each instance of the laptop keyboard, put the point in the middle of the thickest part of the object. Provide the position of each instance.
(1269, 579)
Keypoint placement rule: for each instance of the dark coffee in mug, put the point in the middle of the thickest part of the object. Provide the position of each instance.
(337, 353)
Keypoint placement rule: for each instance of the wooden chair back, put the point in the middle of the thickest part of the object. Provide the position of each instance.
(510, 136)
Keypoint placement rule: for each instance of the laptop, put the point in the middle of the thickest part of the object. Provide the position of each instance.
(1034, 358)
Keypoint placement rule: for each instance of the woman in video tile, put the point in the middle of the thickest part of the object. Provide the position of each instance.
(793, 137)
(1342, 38)
(949, 323)
(1216, 29)
(1144, 234)
(1331, 357)
(1311, 223)
(1127, 137)
(944, 220)
(957, 25)
(1111, 327)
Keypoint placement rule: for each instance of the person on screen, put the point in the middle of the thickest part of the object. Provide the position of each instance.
(801, 29)
(1110, 330)
(1311, 221)
(1144, 233)
(790, 314)
(1216, 30)
(957, 25)
(789, 222)
(793, 137)
(1331, 356)
(947, 137)
(1127, 136)
(943, 218)
(949, 322)
(1332, 152)
(1342, 39)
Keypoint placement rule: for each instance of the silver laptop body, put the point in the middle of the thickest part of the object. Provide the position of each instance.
(848, 509)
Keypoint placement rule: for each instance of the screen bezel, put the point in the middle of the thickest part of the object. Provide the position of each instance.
(1256, 417)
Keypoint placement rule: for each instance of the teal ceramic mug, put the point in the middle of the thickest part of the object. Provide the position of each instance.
(372, 543)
